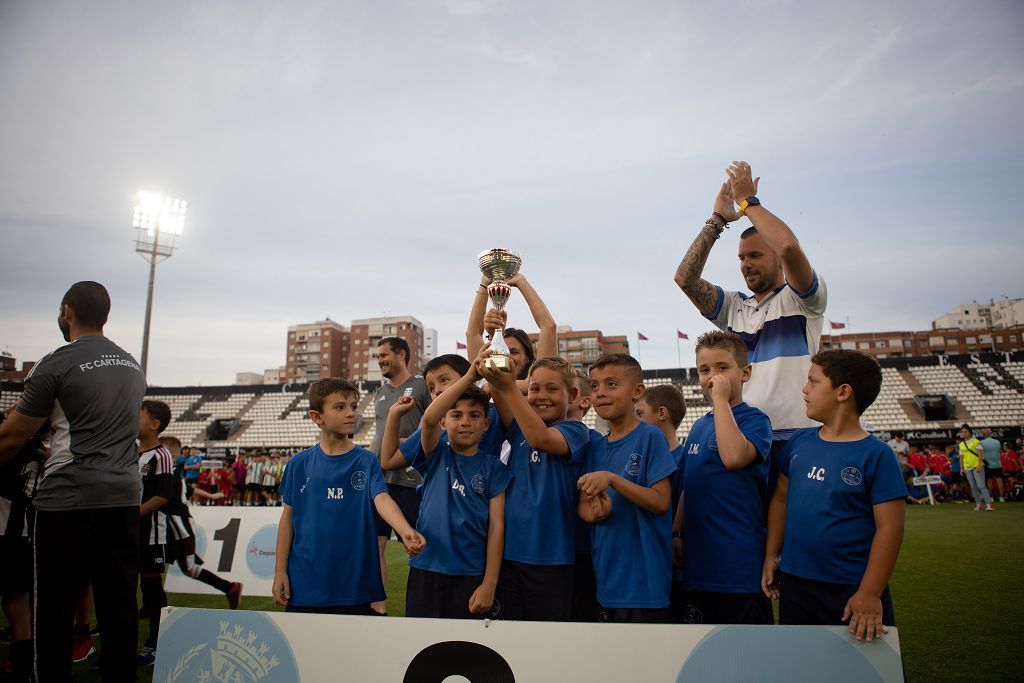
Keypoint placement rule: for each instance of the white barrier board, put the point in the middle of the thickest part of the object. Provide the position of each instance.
(927, 480)
(237, 543)
(242, 646)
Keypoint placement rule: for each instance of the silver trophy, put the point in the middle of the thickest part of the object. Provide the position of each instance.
(499, 265)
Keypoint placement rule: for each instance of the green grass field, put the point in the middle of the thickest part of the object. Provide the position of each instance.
(958, 591)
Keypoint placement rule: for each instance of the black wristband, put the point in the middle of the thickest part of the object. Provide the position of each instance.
(725, 223)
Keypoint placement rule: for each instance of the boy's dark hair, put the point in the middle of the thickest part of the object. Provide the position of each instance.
(861, 371)
(158, 410)
(748, 232)
(451, 360)
(669, 397)
(322, 388)
(621, 360)
(716, 339)
(477, 396)
(397, 345)
(531, 354)
(559, 365)
(90, 302)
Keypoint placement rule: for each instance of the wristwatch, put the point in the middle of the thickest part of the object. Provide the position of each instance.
(748, 202)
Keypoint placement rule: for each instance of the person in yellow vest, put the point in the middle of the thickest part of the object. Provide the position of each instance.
(972, 463)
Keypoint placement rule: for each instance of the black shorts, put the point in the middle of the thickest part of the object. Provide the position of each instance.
(408, 502)
(152, 558)
(535, 592)
(677, 603)
(634, 615)
(190, 485)
(16, 567)
(238, 487)
(993, 473)
(584, 589)
(441, 596)
(363, 610)
(706, 607)
(806, 601)
(252, 487)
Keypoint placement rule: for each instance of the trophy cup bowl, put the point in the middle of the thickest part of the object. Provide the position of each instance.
(499, 265)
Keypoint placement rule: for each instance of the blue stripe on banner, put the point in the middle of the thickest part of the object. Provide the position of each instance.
(782, 337)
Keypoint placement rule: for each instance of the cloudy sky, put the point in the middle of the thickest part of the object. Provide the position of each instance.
(350, 159)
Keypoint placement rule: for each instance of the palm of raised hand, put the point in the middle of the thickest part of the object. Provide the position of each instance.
(725, 205)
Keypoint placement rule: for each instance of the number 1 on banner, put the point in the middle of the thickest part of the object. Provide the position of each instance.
(228, 534)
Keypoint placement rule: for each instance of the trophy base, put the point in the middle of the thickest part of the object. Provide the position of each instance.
(503, 363)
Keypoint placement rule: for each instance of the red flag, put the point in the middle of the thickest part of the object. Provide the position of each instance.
(682, 335)
(459, 346)
(837, 326)
(640, 336)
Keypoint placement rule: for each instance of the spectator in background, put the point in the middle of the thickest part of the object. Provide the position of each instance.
(902, 449)
(918, 462)
(993, 466)
(193, 465)
(1011, 462)
(238, 470)
(87, 500)
(972, 463)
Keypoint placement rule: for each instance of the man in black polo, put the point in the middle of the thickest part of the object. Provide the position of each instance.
(87, 500)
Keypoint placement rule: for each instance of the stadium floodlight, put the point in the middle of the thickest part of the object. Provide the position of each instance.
(158, 220)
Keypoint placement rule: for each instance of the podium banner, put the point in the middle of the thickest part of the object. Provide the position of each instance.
(271, 647)
(238, 543)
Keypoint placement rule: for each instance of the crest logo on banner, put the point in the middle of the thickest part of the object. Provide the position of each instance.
(244, 647)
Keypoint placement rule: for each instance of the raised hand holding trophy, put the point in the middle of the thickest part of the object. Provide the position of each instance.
(499, 265)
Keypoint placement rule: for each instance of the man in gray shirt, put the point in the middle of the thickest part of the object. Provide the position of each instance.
(87, 500)
(393, 359)
(993, 465)
(901, 449)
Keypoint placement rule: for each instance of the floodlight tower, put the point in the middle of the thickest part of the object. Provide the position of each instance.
(159, 220)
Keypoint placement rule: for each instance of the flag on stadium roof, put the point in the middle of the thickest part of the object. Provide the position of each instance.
(837, 326)
(641, 336)
(682, 335)
(459, 346)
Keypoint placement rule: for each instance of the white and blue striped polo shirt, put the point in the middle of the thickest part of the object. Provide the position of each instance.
(782, 332)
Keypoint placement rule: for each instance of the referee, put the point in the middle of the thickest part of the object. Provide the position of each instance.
(87, 500)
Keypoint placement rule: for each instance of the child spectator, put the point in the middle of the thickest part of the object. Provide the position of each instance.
(626, 493)
(238, 470)
(1011, 462)
(662, 406)
(725, 480)
(836, 517)
(326, 541)
(462, 513)
(546, 453)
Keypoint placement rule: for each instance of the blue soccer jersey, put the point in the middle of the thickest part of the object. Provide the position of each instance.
(454, 512)
(632, 547)
(833, 488)
(540, 504)
(724, 520)
(333, 559)
(490, 442)
(583, 529)
(677, 478)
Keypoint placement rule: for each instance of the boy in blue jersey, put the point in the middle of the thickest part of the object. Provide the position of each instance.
(836, 517)
(540, 505)
(326, 541)
(626, 493)
(440, 374)
(462, 513)
(663, 406)
(725, 480)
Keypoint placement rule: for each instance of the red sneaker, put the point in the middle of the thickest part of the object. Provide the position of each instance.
(82, 648)
(234, 595)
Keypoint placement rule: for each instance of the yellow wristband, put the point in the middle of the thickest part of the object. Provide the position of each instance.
(743, 207)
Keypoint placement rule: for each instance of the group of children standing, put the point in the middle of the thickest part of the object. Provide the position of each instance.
(527, 514)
